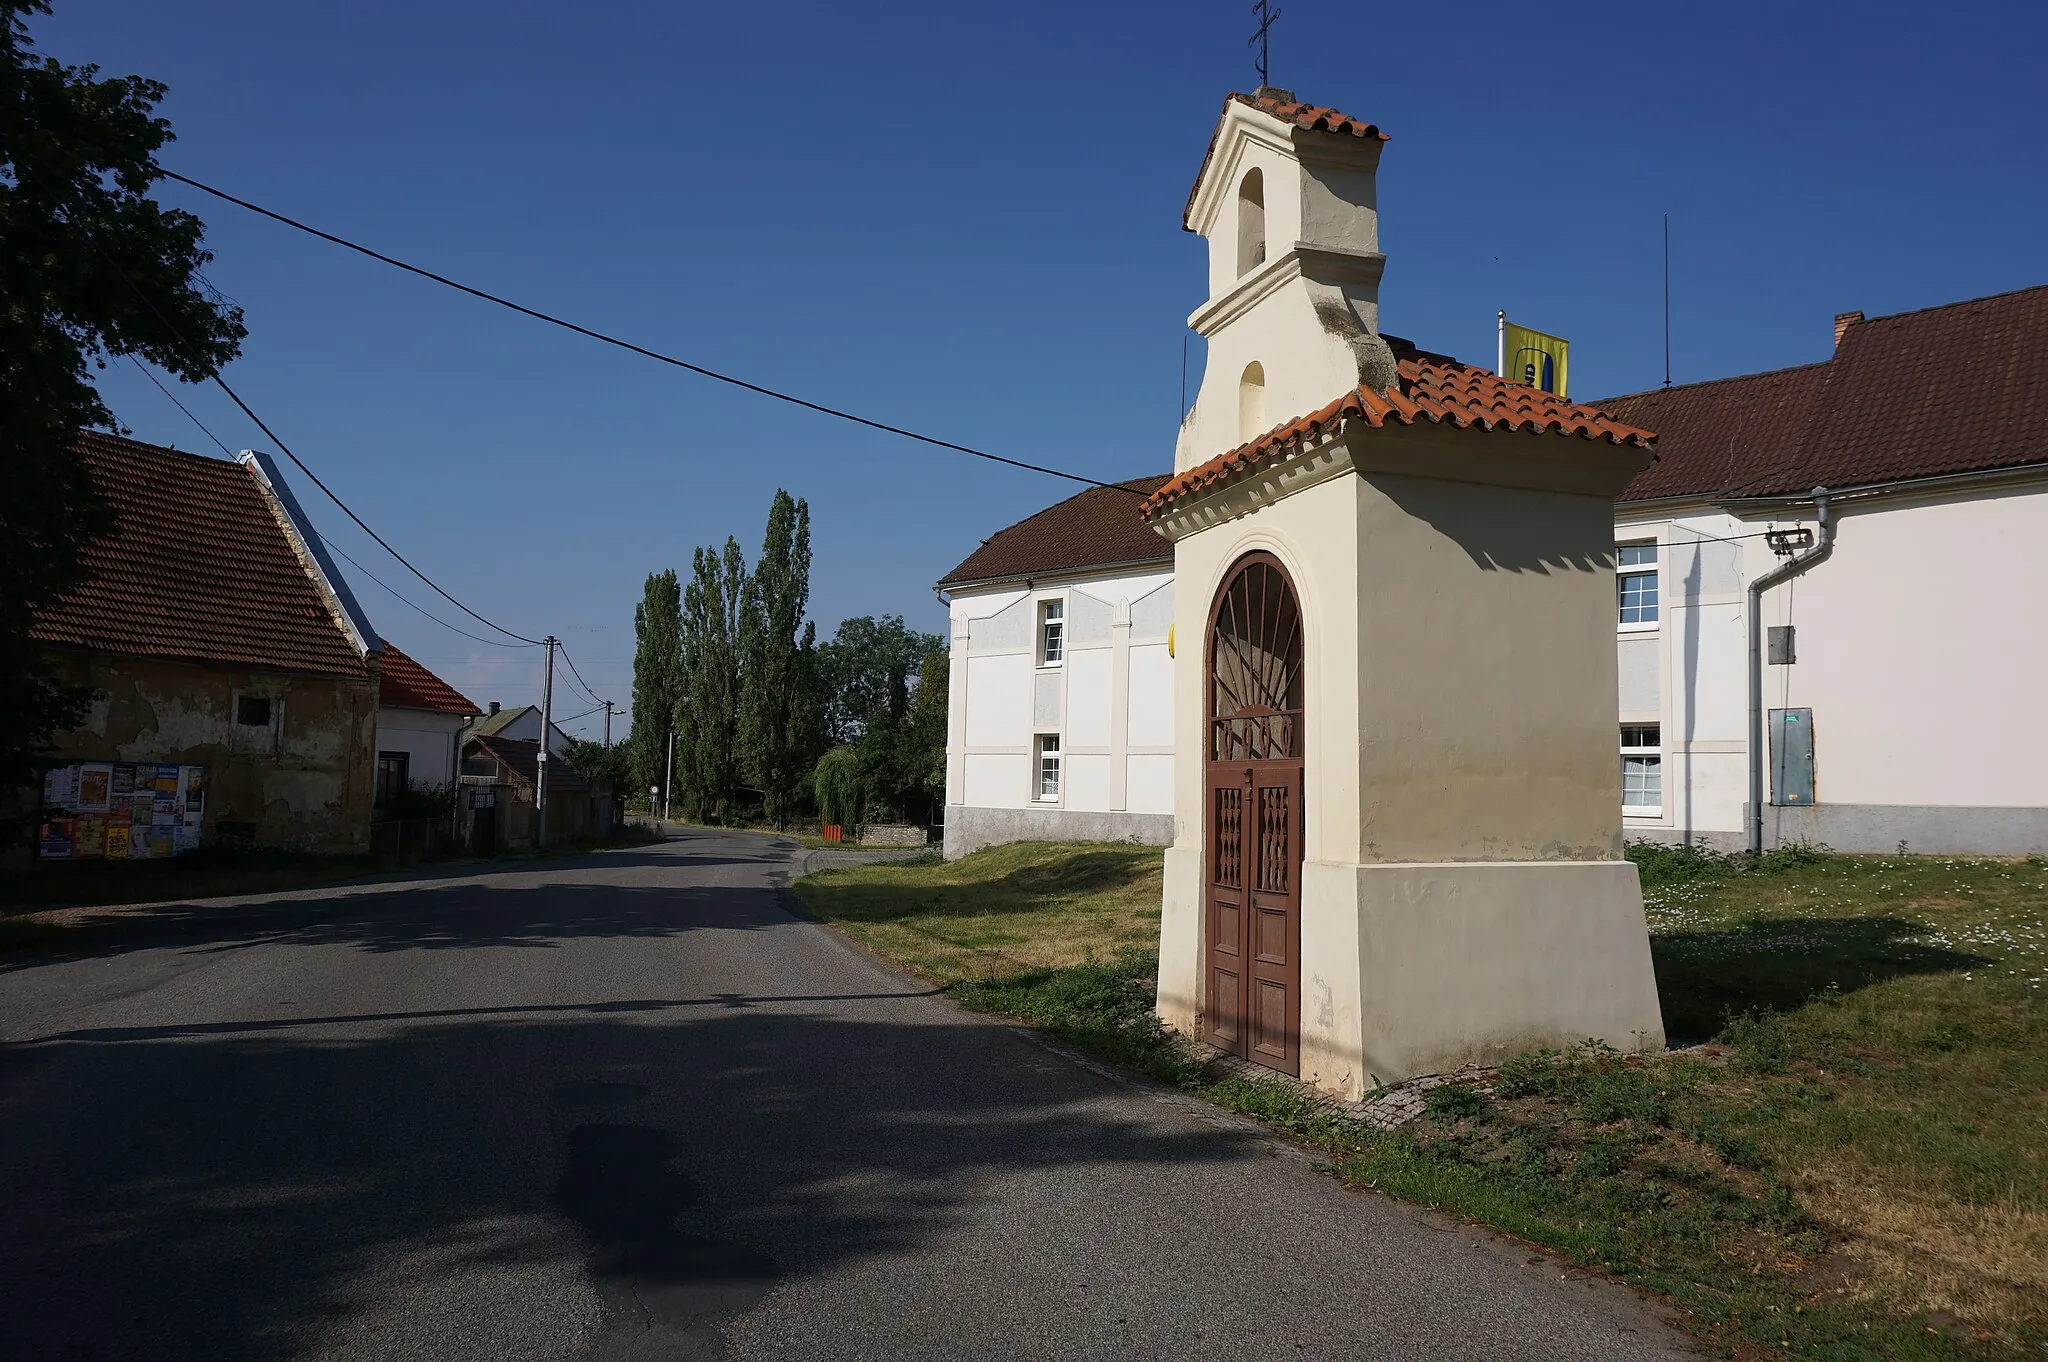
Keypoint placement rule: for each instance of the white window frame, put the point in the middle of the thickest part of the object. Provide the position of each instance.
(1052, 615)
(1047, 759)
(1654, 571)
(1639, 751)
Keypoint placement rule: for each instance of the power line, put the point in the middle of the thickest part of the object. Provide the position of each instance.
(325, 542)
(641, 350)
(578, 675)
(250, 412)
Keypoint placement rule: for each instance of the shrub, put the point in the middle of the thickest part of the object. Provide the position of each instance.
(1454, 1100)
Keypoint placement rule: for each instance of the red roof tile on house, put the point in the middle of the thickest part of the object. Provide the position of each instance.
(1427, 388)
(1307, 117)
(1100, 527)
(1956, 389)
(522, 759)
(197, 568)
(404, 684)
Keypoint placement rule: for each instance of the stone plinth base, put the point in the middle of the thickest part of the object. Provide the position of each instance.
(1420, 968)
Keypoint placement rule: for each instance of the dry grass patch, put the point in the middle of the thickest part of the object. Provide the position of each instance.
(1007, 910)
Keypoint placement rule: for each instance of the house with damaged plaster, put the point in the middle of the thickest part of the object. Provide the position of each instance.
(235, 677)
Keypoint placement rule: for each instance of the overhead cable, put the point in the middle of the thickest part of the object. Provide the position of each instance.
(641, 350)
(561, 648)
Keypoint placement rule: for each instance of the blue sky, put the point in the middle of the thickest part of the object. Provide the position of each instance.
(965, 219)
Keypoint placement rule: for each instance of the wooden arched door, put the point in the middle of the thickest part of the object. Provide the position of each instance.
(1252, 881)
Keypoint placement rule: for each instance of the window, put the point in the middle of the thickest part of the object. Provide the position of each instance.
(1642, 769)
(391, 775)
(1251, 402)
(1635, 583)
(252, 711)
(1052, 632)
(1251, 221)
(1048, 767)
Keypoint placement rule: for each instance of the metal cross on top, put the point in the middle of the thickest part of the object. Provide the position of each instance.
(1265, 16)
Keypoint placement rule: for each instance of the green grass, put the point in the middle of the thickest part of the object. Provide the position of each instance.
(1856, 1168)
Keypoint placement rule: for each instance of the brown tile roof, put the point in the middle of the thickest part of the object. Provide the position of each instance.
(1428, 388)
(1955, 389)
(404, 684)
(197, 568)
(1307, 117)
(521, 758)
(1098, 528)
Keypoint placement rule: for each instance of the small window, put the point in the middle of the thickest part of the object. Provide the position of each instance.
(1048, 767)
(1635, 583)
(252, 711)
(1052, 633)
(1642, 769)
(392, 770)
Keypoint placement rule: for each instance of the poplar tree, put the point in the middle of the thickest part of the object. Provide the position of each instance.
(707, 725)
(779, 698)
(657, 675)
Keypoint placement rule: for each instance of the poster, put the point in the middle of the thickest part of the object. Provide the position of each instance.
(121, 811)
(95, 786)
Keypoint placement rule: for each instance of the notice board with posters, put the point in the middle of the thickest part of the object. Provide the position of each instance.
(121, 811)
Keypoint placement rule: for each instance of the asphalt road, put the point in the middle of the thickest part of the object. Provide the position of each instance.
(629, 1106)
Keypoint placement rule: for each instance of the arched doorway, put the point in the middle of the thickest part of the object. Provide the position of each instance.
(1252, 895)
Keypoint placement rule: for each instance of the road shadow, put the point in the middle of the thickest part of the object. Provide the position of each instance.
(249, 1192)
(1779, 964)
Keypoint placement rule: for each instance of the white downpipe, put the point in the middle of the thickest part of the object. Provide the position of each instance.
(1783, 572)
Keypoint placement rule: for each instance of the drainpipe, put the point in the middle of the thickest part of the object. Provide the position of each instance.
(1782, 573)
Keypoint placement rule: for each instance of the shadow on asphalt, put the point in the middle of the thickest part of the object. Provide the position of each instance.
(454, 908)
(685, 1165)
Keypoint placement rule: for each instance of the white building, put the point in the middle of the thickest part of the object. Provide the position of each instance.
(521, 723)
(420, 719)
(1903, 681)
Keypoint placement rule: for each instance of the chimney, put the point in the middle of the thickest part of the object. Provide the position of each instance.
(494, 703)
(1843, 321)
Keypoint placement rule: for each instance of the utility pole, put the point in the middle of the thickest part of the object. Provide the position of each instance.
(607, 723)
(668, 787)
(540, 763)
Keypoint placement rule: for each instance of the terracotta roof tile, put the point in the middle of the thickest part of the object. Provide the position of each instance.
(1956, 389)
(404, 684)
(522, 758)
(1428, 387)
(1307, 117)
(197, 568)
(1100, 527)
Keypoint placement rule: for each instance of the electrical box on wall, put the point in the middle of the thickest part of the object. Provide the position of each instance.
(1778, 645)
(1791, 756)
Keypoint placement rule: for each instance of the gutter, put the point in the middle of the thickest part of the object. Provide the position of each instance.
(1784, 572)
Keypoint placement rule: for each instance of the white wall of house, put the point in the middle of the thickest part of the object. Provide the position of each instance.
(1912, 651)
(1914, 644)
(430, 739)
(1100, 713)
(526, 728)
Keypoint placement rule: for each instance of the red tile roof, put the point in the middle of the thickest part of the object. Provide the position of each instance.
(1955, 389)
(198, 568)
(522, 759)
(1100, 527)
(1307, 117)
(1428, 388)
(404, 684)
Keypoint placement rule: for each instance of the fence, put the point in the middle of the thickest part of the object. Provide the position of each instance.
(408, 839)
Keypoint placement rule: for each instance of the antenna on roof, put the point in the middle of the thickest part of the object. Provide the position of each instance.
(1265, 17)
(1667, 300)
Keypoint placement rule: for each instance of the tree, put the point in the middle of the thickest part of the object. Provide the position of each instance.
(777, 703)
(594, 761)
(866, 671)
(707, 723)
(657, 676)
(91, 267)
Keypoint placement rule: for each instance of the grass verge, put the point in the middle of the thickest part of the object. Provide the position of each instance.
(1857, 1168)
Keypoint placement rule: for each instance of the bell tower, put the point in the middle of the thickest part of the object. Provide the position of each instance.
(1288, 203)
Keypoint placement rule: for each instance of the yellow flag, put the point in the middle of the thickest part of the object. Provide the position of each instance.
(1532, 358)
